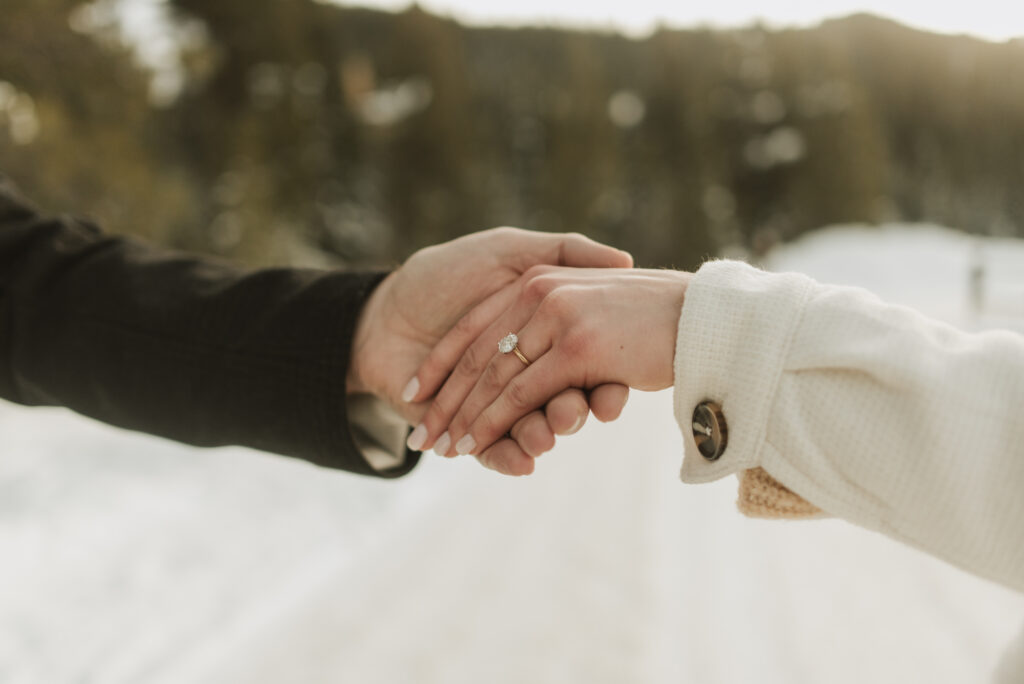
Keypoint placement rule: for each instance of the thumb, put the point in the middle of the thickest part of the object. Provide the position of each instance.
(528, 248)
(582, 252)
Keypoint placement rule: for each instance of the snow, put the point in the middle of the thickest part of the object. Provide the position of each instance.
(131, 559)
(922, 266)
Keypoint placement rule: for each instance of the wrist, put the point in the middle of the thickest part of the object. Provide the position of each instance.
(369, 320)
(679, 281)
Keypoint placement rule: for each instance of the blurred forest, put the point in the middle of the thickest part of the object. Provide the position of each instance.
(302, 132)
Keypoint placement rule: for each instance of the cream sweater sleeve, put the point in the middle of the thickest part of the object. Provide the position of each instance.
(868, 411)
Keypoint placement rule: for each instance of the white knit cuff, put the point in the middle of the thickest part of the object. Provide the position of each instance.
(735, 330)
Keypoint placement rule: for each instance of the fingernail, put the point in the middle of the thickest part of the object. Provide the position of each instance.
(411, 390)
(442, 444)
(577, 425)
(417, 438)
(466, 445)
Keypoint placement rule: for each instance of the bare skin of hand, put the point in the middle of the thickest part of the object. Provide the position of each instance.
(579, 328)
(417, 305)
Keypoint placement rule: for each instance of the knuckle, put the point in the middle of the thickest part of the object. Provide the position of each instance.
(430, 370)
(532, 273)
(538, 286)
(491, 378)
(464, 327)
(486, 427)
(518, 396)
(538, 270)
(437, 414)
(425, 254)
(558, 303)
(458, 426)
(471, 363)
(576, 343)
(505, 232)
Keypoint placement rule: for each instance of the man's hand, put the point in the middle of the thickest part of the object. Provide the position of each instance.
(417, 305)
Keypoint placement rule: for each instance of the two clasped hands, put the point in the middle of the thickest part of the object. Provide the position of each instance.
(588, 326)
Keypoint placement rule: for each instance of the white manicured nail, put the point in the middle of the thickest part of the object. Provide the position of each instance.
(442, 444)
(417, 438)
(466, 445)
(411, 390)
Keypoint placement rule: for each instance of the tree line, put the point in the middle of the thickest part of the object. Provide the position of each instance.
(303, 132)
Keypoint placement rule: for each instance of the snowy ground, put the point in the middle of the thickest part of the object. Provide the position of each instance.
(129, 559)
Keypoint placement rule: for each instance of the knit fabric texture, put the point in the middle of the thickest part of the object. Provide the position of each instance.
(838, 402)
(762, 496)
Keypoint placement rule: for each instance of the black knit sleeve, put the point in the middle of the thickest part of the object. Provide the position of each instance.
(178, 346)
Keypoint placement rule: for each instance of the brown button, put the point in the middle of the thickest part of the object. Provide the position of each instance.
(709, 430)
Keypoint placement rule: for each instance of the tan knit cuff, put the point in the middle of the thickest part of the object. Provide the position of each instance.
(762, 496)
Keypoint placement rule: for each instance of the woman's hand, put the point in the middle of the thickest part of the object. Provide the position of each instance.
(579, 328)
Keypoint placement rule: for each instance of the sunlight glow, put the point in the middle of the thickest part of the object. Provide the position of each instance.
(995, 20)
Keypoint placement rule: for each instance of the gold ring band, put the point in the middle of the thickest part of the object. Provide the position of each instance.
(521, 355)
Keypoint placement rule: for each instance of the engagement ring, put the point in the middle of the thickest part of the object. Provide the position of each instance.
(510, 344)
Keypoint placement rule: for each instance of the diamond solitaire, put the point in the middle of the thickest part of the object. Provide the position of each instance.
(508, 343)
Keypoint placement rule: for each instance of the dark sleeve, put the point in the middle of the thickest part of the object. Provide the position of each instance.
(189, 349)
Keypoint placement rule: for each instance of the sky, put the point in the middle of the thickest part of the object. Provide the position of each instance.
(995, 20)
